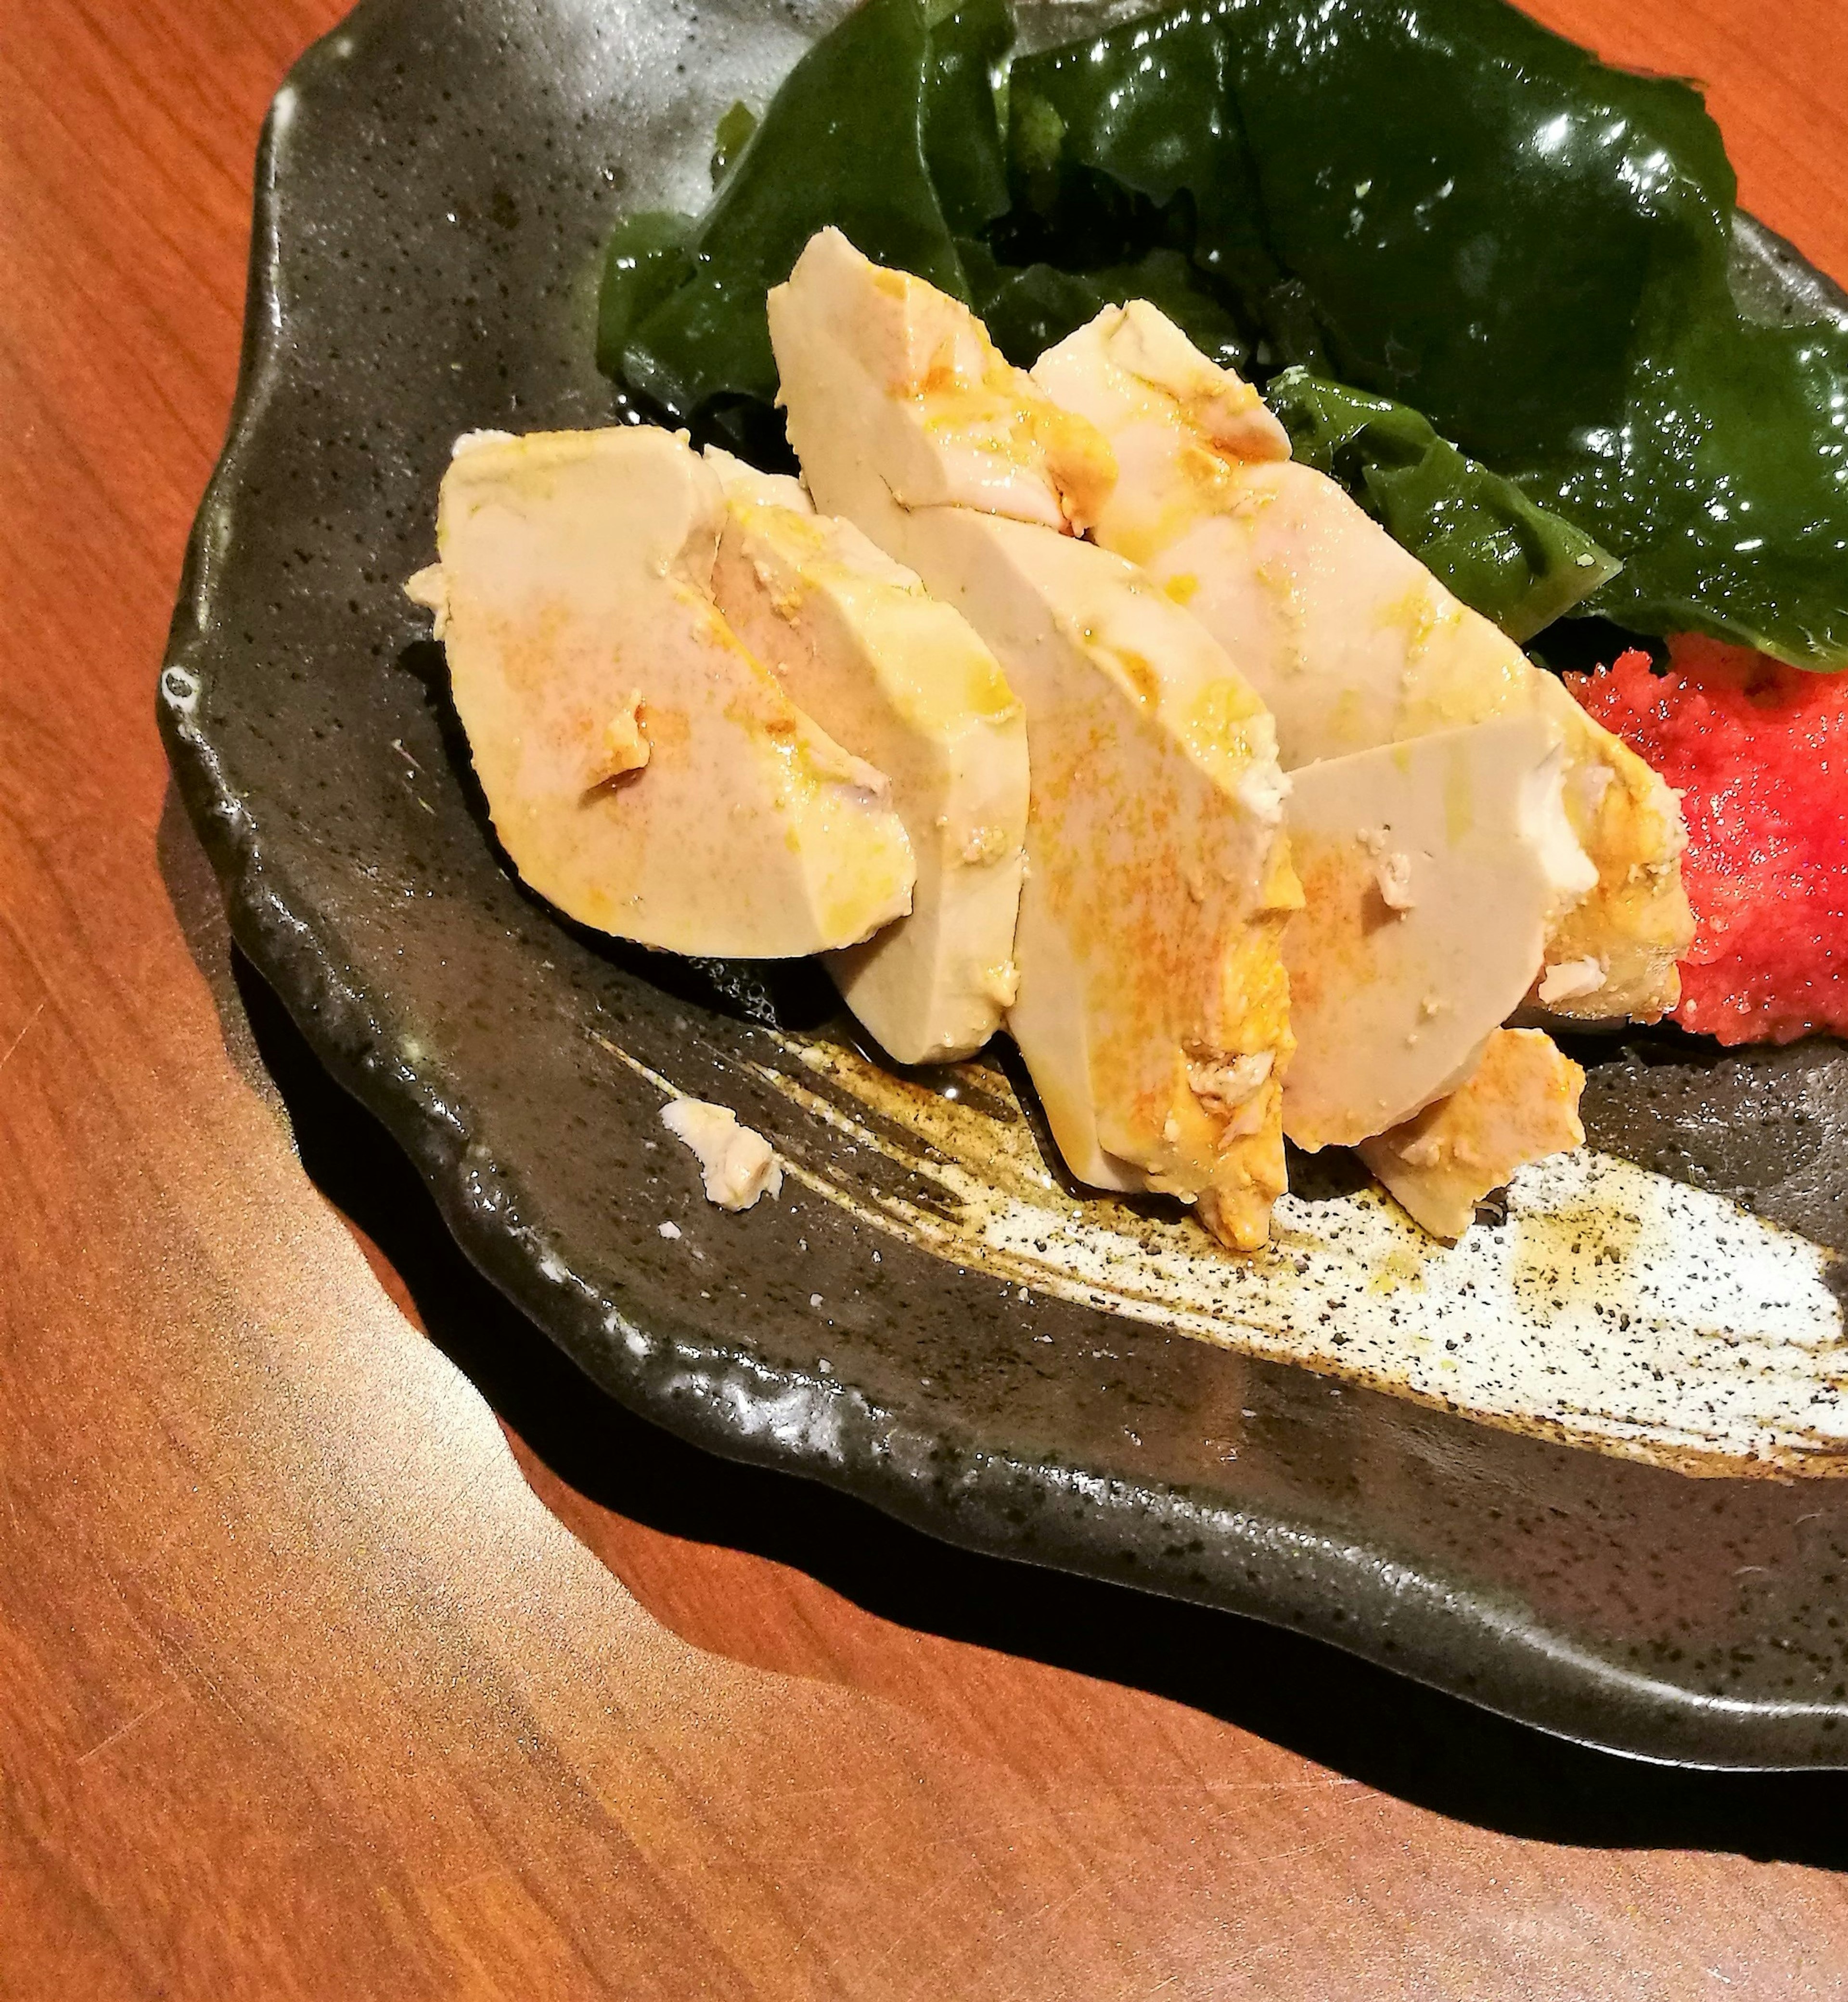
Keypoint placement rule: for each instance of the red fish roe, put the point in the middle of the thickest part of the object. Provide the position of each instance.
(1759, 754)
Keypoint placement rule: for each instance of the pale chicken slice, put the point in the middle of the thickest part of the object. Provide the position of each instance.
(739, 481)
(1152, 1010)
(1348, 637)
(1519, 1105)
(1432, 872)
(645, 771)
(947, 419)
(904, 681)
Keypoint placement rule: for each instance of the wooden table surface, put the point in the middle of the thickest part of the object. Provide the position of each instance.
(317, 1680)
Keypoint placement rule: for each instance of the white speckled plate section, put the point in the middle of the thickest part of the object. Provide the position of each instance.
(1614, 1309)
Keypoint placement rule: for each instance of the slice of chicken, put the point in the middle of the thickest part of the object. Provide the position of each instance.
(946, 418)
(1432, 872)
(645, 771)
(903, 679)
(1152, 1010)
(1349, 638)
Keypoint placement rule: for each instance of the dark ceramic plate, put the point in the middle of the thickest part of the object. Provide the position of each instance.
(928, 1318)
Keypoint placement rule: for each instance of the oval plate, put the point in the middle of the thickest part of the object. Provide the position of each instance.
(930, 1318)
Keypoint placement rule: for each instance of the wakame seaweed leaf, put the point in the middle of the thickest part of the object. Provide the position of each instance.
(963, 144)
(1501, 554)
(730, 136)
(1028, 308)
(646, 259)
(1440, 201)
(1436, 202)
(843, 142)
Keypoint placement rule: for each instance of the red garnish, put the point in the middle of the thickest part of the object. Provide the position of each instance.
(1759, 754)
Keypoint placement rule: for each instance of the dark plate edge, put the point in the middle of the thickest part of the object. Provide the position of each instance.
(1254, 1564)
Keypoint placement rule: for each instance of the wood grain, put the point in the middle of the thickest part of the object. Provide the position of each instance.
(304, 1691)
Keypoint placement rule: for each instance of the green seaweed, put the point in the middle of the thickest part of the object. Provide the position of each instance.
(1028, 307)
(1502, 555)
(647, 261)
(844, 141)
(964, 147)
(1445, 204)
(730, 136)
(1436, 202)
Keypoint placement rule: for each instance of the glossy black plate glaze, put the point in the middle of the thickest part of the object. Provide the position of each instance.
(434, 184)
